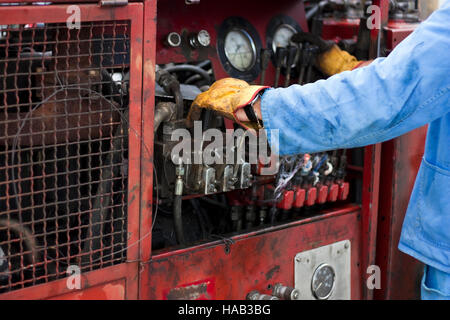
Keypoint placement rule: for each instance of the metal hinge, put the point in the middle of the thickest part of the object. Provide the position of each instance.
(113, 3)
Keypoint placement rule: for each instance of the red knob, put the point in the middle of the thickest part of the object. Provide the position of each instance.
(287, 201)
(344, 190)
(311, 196)
(334, 193)
(300, 196)
(322, 195)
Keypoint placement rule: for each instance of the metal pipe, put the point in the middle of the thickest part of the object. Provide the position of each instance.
(164, 112)
(177, 205)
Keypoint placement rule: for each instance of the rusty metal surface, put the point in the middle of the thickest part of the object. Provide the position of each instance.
(256, 261)
(114, 290)
(67, 182)
(146, 169)
(96, 280)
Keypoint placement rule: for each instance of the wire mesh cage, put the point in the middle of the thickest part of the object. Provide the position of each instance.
(63, 149)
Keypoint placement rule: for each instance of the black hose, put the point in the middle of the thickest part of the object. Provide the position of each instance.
(198, 211)
(190, 68)
(178, 219)
(171, 85)
(179, 103)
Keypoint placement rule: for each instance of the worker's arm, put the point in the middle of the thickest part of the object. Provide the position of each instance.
(376, 103)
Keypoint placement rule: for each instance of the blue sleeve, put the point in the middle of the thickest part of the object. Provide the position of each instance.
(384, 100)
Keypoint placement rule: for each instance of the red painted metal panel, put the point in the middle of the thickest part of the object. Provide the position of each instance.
(148, 105)
(370, 194)
(208, 15)
(258, 260)
(401, 158)
(397, 31)
(337, 29)
(92, 13)
(88, 280)
(114, 290)
(267, 254)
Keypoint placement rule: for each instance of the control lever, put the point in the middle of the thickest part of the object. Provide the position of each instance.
(313, 50)
(265, 59)
(303, 64)
(307, 62)
(291, 55)
(280, 57)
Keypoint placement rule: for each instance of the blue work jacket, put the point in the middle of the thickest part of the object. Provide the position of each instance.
(393, 95)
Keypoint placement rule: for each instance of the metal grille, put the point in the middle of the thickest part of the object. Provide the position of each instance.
(63, 149)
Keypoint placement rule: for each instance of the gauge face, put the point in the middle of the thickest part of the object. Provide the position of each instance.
(204, 38)
(282, 36)
(240, 49)
(323, 280)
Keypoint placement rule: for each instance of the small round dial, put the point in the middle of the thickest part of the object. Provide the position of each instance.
(204, 38)
(282, 36)
(240, 49)
(323, 281)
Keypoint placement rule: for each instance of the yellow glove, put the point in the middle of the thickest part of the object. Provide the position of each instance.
(335, 61)
(331, 60)
(226, 96)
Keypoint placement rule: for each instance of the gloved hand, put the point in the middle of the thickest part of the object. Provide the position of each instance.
(331, 59)
(227, 97)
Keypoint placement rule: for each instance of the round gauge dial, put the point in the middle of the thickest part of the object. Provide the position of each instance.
(240, 49)
(282, 36)
(323, 281)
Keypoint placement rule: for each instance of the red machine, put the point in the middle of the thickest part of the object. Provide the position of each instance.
(91, 205)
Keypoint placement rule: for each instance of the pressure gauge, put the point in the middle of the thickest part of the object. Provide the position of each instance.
(282, 36)
(323, 281)
(279, 32)
(240, 49)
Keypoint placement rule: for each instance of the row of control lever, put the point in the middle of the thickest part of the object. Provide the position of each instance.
(300, 58)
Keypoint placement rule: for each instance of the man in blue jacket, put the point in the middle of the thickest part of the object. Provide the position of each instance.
(378, 102)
